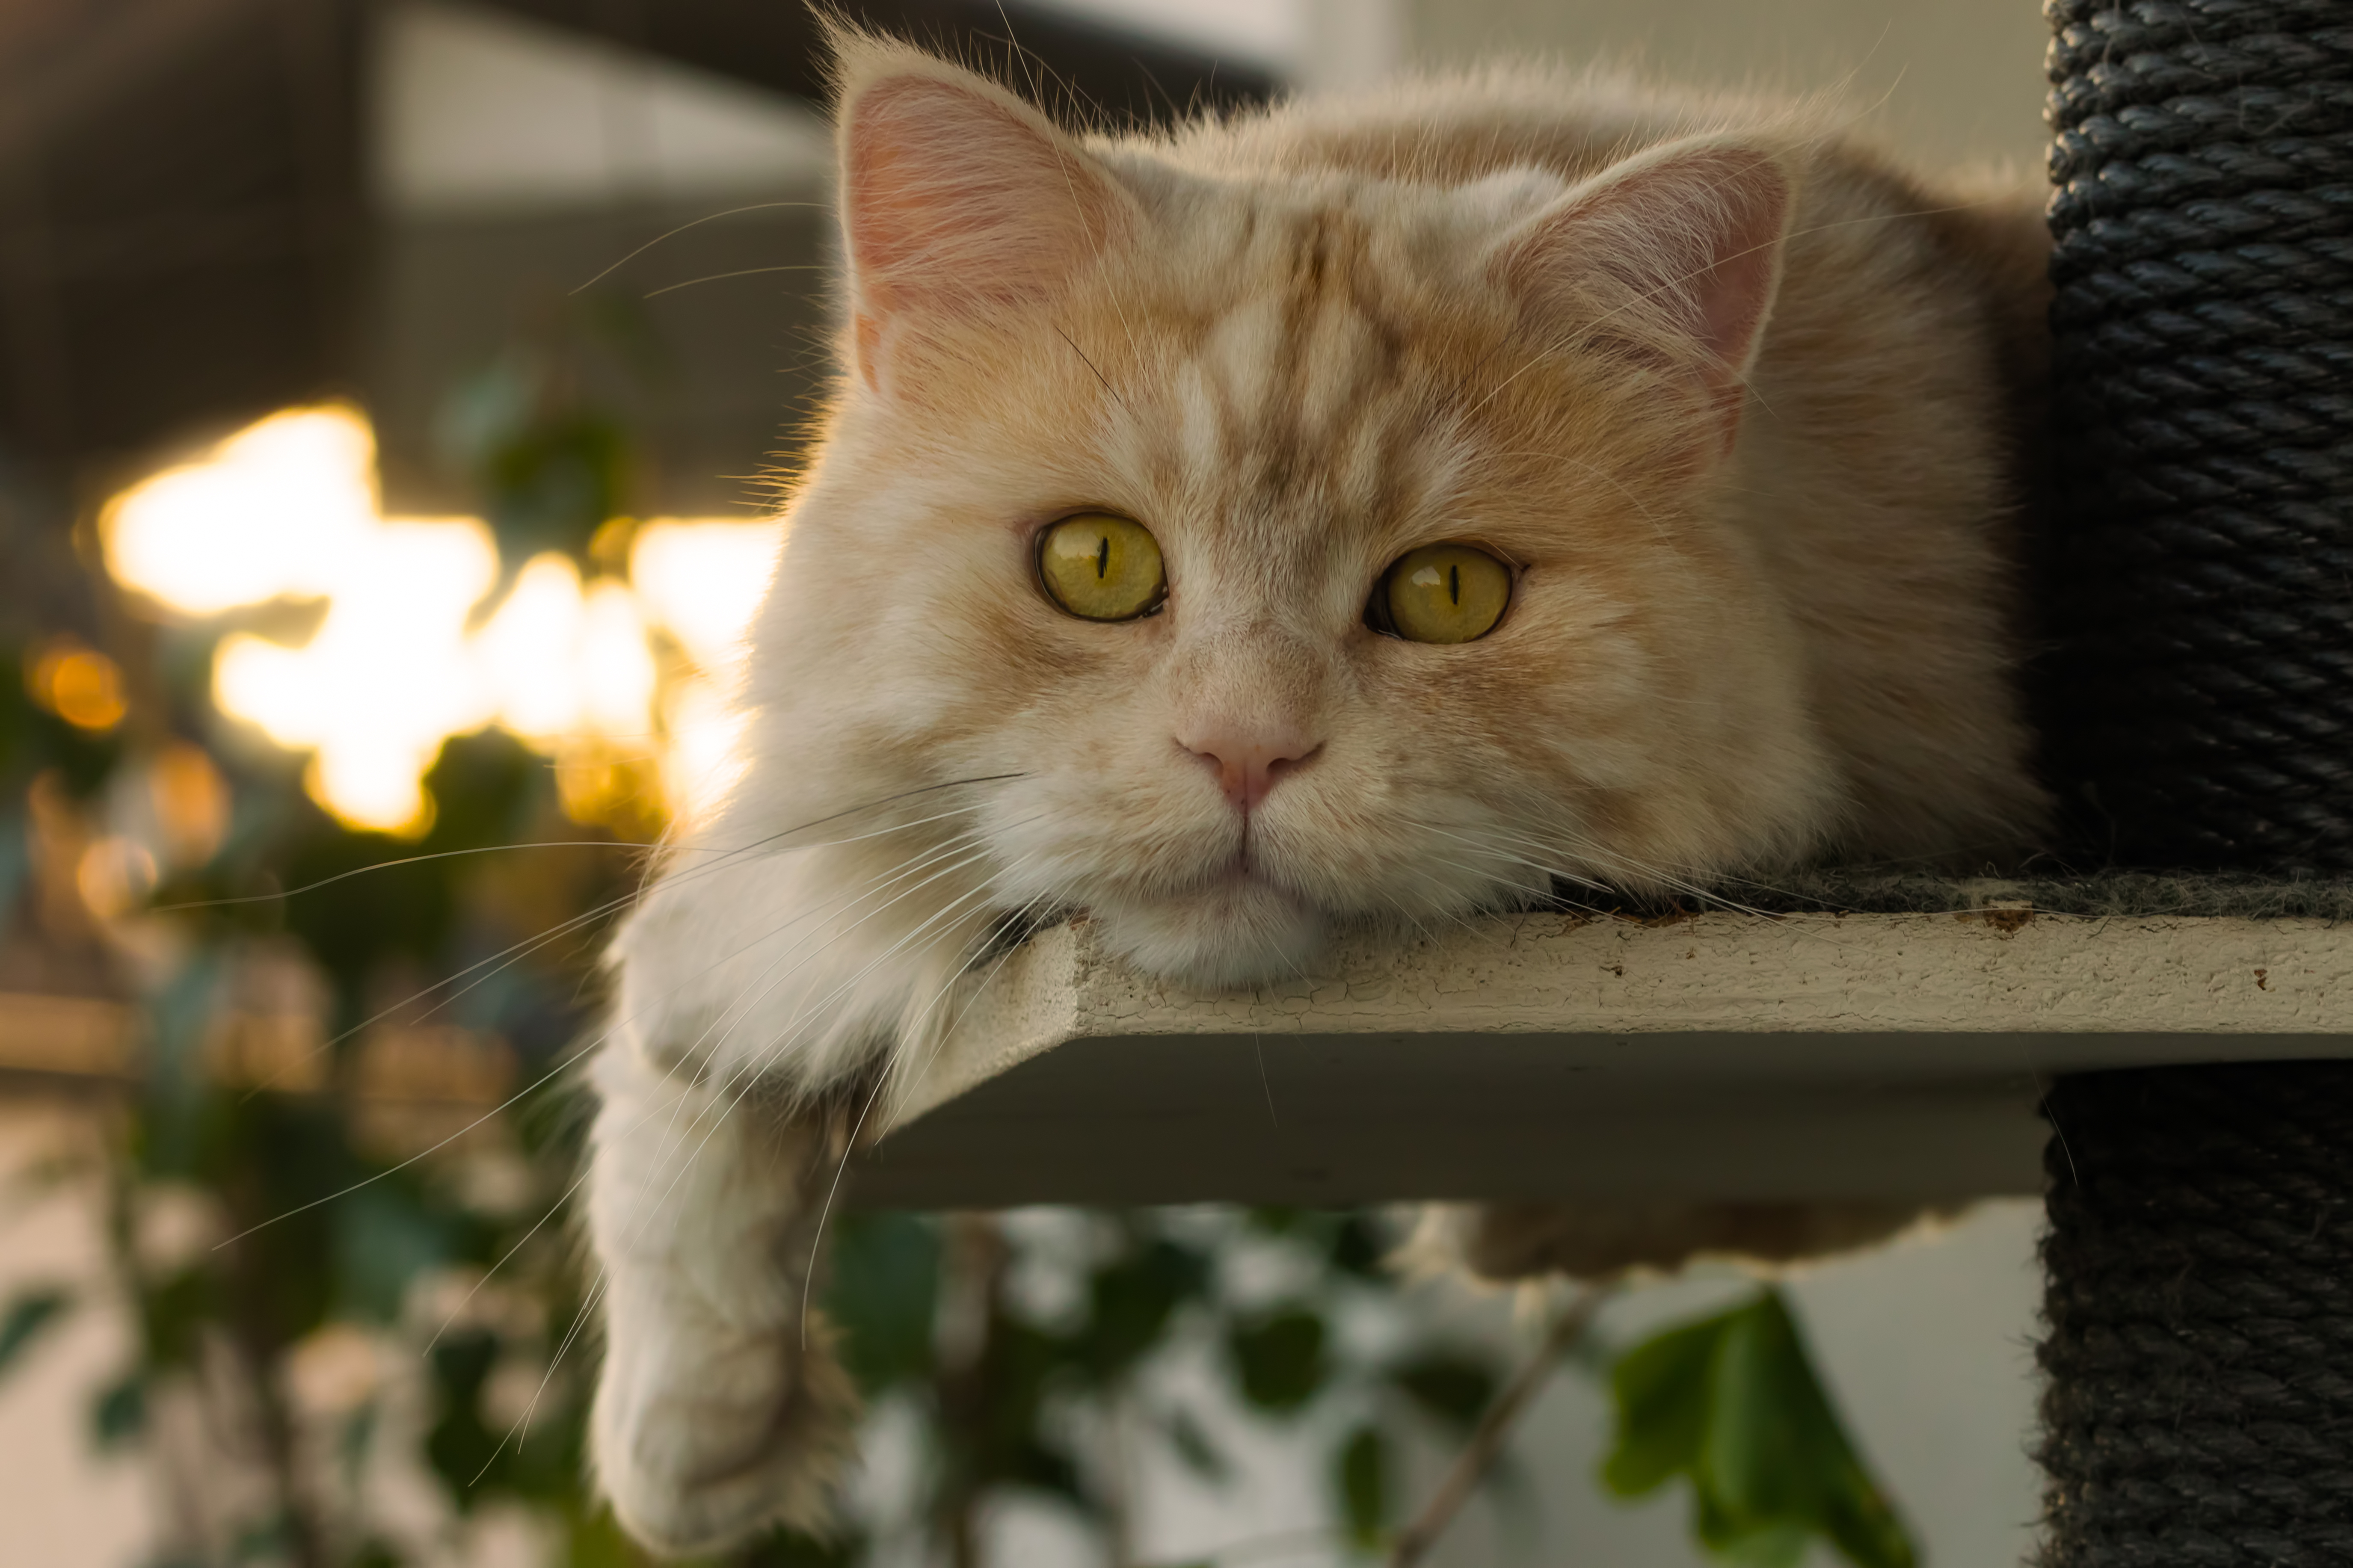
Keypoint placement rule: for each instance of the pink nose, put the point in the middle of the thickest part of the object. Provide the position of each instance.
(1249, 761)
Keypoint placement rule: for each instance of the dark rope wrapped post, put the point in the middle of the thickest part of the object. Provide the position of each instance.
(2197, 593)
(2198, 590)
(2199, 1409)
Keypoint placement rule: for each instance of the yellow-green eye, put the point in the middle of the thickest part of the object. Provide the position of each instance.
(1442, 593)
(1100, 567)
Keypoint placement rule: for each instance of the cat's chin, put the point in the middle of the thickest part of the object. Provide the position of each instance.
(1237, 934)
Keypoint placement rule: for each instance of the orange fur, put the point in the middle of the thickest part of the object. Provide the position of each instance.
(1736, 399)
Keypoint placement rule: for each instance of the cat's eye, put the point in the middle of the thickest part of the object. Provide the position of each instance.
(1441, 592)
(1102, 568)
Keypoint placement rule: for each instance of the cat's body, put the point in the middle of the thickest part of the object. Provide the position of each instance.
(1729, 404)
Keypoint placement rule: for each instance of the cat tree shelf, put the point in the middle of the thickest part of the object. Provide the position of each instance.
(1804, 1055)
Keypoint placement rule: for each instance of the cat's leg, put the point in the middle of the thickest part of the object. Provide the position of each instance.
(748, 979)
(1604, 1239)
(720, 1409)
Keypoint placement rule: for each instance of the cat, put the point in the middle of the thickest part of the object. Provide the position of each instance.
(1364, 510)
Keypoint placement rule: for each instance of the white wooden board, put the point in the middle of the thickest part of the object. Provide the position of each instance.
(1550, 1055)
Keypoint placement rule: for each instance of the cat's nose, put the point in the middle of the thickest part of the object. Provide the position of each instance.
(1249, 761)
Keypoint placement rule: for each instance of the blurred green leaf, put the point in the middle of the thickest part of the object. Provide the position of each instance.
(591, 1539)
(459, 1445)
(1362, 1474)
(1131, 1301)
(31, 1313)
(1733, 1403)
(1355, 1249)
(884, 1293)
(1661, 1389)
(1453, 1388)
(1279, 1358)
(120, 1411)
(385, 1237)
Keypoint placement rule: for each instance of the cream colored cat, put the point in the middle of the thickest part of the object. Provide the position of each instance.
(1363, 511)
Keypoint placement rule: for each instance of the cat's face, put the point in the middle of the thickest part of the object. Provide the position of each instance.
(1288, 386)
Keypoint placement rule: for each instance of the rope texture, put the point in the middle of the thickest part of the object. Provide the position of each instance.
(2199, 1302)
(2199, 579)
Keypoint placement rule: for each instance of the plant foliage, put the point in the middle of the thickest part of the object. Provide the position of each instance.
(1732, 1404)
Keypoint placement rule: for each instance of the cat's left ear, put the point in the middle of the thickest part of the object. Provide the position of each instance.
(958, 200)
(1668, 261)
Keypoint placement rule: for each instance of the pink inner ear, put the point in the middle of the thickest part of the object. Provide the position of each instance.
(952, 197)
(1689, 244)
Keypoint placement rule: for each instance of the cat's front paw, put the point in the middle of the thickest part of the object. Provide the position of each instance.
(705, 1433)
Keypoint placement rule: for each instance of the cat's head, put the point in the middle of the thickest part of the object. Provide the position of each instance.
(1313, 546)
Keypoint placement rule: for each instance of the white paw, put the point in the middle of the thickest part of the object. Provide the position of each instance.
(704, 1434)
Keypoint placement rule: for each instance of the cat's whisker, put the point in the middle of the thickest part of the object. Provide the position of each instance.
(849, 1146)
(390, 864)
(503, 960)
(522, 1427)
(748, 1076)
(681, 228)
(505, 1258)
(958, 863)
(1683, 882)
(951, 849)
(589, 1047)
(748, 1073)
(508, 957)
(739, 272)
(742, 1083)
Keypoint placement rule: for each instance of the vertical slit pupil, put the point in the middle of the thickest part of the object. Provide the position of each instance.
(1454, 584)
(1103, 557)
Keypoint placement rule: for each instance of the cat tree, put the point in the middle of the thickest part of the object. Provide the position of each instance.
(2165, 1057)
(2200, 581)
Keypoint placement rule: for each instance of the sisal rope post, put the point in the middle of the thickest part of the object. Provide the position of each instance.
(2197, 590)
(2197, 581)
(2199, 1307)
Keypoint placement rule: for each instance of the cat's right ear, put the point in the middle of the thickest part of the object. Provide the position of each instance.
(958, 200)
(1668, 263)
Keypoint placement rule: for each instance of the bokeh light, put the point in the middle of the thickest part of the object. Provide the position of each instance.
(78, 684)
(407, 653)
(274, 511)
(702, 582)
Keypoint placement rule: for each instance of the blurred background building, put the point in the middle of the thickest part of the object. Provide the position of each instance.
(376, 373)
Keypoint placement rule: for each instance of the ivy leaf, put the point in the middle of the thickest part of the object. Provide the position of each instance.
(1453, 1389)
(1362, 1473)
(1279, 1359)
(885, 1294)
(1661, 1387)
(1733, 1403)
(119, 1414)
(1129, 1303)
(31, 1313)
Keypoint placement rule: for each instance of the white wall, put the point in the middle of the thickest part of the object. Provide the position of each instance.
(1948, 81)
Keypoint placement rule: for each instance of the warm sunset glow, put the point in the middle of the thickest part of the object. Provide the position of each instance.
(563, 662)
(386, 677)
(274, 511)
(702, 583)
(287, 509)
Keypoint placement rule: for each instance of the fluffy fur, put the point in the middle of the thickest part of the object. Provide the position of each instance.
(1734, 398)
